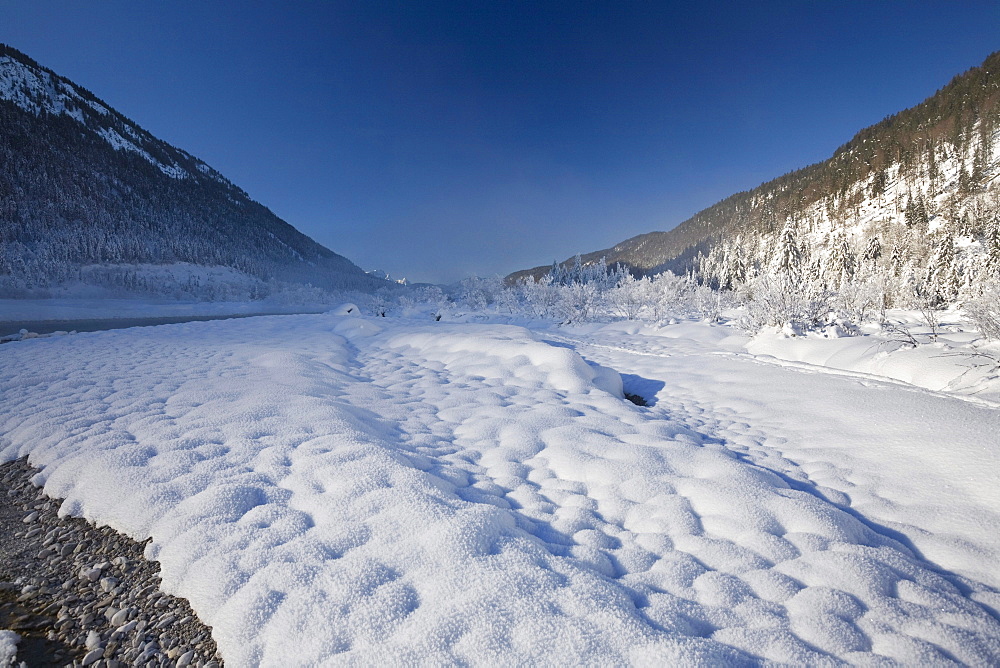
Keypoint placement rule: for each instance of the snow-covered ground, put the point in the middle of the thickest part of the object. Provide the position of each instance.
(331, 488)
(951, 357)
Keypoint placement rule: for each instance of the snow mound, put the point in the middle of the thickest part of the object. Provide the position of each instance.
(345, 309)
(509, 354)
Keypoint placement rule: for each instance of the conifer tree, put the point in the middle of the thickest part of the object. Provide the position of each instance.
(993, 248)
(978, 166)
(839, 268)
(921, 216)
(910, 211)
(787, 259)
(873, 251)
(964, 181)
(736, 264)
(942, 275)
(897, 260)
(932, 166)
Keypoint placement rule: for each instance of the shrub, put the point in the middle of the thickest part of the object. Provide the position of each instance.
(984, 311)
(772, 301)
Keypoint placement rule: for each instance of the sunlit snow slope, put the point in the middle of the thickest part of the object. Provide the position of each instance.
(328, 489)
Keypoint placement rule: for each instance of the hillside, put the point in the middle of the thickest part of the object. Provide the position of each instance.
(88, 196)
(918, 185)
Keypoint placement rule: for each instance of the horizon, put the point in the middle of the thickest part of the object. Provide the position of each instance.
(444, 141)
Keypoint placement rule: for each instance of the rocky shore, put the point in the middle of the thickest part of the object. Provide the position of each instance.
(80, 595)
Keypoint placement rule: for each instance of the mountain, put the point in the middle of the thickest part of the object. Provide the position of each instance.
(916, 190)
(86, 195)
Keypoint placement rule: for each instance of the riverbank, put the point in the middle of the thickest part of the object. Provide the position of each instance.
(77, 594)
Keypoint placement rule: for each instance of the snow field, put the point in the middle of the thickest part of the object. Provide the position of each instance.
(328, 489)
(692, 524)
(917, 462)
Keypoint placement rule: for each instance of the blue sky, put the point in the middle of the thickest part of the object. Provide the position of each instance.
(436, 140)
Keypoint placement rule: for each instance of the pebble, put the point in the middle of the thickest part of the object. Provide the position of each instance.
(120, 617)
(92, 657)
(30, 517)
(125, 628)
(165, 622)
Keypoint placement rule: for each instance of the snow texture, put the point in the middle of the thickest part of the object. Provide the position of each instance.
(337, 489)
(8, 648)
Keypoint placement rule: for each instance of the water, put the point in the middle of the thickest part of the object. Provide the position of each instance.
(101, 324)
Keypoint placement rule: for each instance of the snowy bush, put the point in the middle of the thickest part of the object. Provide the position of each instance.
(776, 301)
(984, 311)
(541, 298)
(379, 304)
(508, 300)
(579, 302)
(707, 303)
(628, 298)
(862, 301)
(671, 295)
(478, 293)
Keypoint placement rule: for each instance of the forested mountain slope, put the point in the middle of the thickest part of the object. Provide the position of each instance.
(87, 194)
(916, 194)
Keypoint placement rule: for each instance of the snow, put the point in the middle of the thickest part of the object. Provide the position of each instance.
(99, 108)
(8, 647)
(954, 362)
(119, 143)
(339, 489)
(30, 89)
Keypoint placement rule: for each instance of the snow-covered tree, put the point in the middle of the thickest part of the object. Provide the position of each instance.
(628, 298)
(840, 261)
(942, 281)
(873, 251)
(787, 258)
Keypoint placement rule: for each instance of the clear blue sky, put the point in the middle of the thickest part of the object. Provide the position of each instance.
(436, 140)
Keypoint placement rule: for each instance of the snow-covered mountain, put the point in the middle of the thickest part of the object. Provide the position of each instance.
(916, 196)
(82, 186)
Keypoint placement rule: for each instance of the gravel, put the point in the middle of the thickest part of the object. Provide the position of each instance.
(81, 595)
